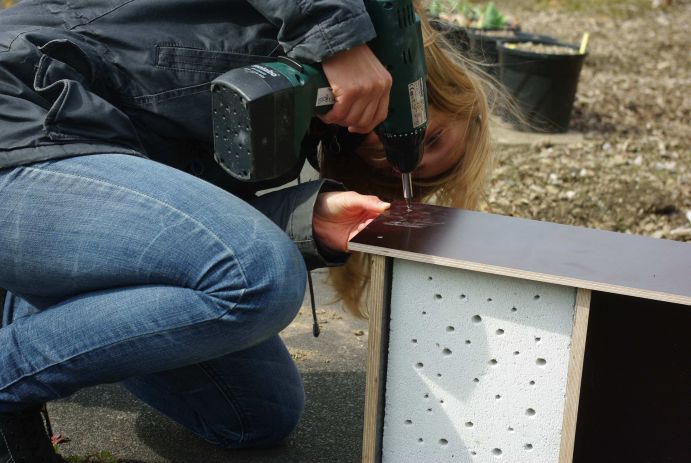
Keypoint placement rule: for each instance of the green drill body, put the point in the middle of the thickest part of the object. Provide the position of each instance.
(262, 112)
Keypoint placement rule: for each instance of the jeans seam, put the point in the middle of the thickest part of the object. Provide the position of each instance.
(169, 206)
(110, 344)
(214, 377)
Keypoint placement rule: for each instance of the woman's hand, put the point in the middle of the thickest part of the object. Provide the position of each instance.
(340, 215)
(361, 86)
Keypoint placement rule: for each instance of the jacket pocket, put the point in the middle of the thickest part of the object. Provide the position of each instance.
(70, 80)
(205, 61)
(183, 71)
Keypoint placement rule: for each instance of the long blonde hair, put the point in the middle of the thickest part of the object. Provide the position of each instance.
(459, 93)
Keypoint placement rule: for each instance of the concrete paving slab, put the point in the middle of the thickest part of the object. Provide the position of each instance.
(333, 369)
(505, 134)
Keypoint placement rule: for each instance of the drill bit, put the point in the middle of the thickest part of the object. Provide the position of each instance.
(407, 190)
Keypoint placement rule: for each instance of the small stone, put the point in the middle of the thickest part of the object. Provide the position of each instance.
(668, 166)
(680, 232)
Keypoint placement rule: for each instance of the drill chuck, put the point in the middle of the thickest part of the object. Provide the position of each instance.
(403, 150)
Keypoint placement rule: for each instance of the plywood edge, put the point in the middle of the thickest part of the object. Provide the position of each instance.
(377, 303)
(575, 371)
(523, 274)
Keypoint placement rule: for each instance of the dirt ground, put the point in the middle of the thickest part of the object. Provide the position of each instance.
(632, 172)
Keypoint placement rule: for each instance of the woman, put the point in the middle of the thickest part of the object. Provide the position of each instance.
(121, 269)
(456, 161)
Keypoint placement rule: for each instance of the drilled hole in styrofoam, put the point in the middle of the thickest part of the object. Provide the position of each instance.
(541, 362)
(414, 341)
(438, 297)
(514, 309)
(469, 424)
(536, 297)
(516, 352)
(408, 422)
(497, 396)
(467, 341)
(464, 298)
(532, 383)
(476, 380)
(426, 396)
(476, 319)
(493, 362)
(497, 452)
(446, 351)
(450, 329)
(528, 446)
(511, 429)
(530, 412)
(419, 365)
(538, 339)
(500, 332)
(443, 442)
(489, 299)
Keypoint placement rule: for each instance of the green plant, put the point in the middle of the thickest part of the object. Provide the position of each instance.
(462, 12)
(491, 18)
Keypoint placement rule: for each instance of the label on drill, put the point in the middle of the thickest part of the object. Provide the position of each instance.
(262, 71)
(274, 79)
(325, 97)
(416, 94)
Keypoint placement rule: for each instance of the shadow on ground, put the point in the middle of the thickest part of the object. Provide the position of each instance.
(109, 418)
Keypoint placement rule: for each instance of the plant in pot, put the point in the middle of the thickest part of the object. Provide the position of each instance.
(475, 31)
(542, 78)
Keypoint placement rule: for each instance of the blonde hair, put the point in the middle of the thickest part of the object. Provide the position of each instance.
(460, 94)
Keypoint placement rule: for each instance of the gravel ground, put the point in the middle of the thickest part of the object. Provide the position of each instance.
(632, 172)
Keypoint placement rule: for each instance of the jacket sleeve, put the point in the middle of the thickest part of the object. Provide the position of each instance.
(313, 30)
(292, 209)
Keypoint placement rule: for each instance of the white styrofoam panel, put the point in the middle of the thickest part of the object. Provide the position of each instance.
(477, 367)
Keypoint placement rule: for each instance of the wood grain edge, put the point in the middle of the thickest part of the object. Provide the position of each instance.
(575, 371)
(524, 274)
(377, 300)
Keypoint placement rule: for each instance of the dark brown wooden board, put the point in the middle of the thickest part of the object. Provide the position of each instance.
(529, 249)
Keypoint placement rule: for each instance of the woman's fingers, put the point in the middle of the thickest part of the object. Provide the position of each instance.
(361, 86)
(338, 216)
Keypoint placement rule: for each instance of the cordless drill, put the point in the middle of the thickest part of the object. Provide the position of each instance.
(262, 112)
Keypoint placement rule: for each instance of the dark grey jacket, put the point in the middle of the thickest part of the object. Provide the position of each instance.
(132, 76)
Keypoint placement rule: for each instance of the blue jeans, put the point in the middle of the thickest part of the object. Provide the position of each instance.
(121, 269)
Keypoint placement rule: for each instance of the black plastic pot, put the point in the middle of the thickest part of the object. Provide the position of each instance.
(456, 35)
(483, 44)
(543, 85)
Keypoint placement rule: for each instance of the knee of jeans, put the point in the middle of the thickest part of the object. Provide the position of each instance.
(276, 278)
(267, 430)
